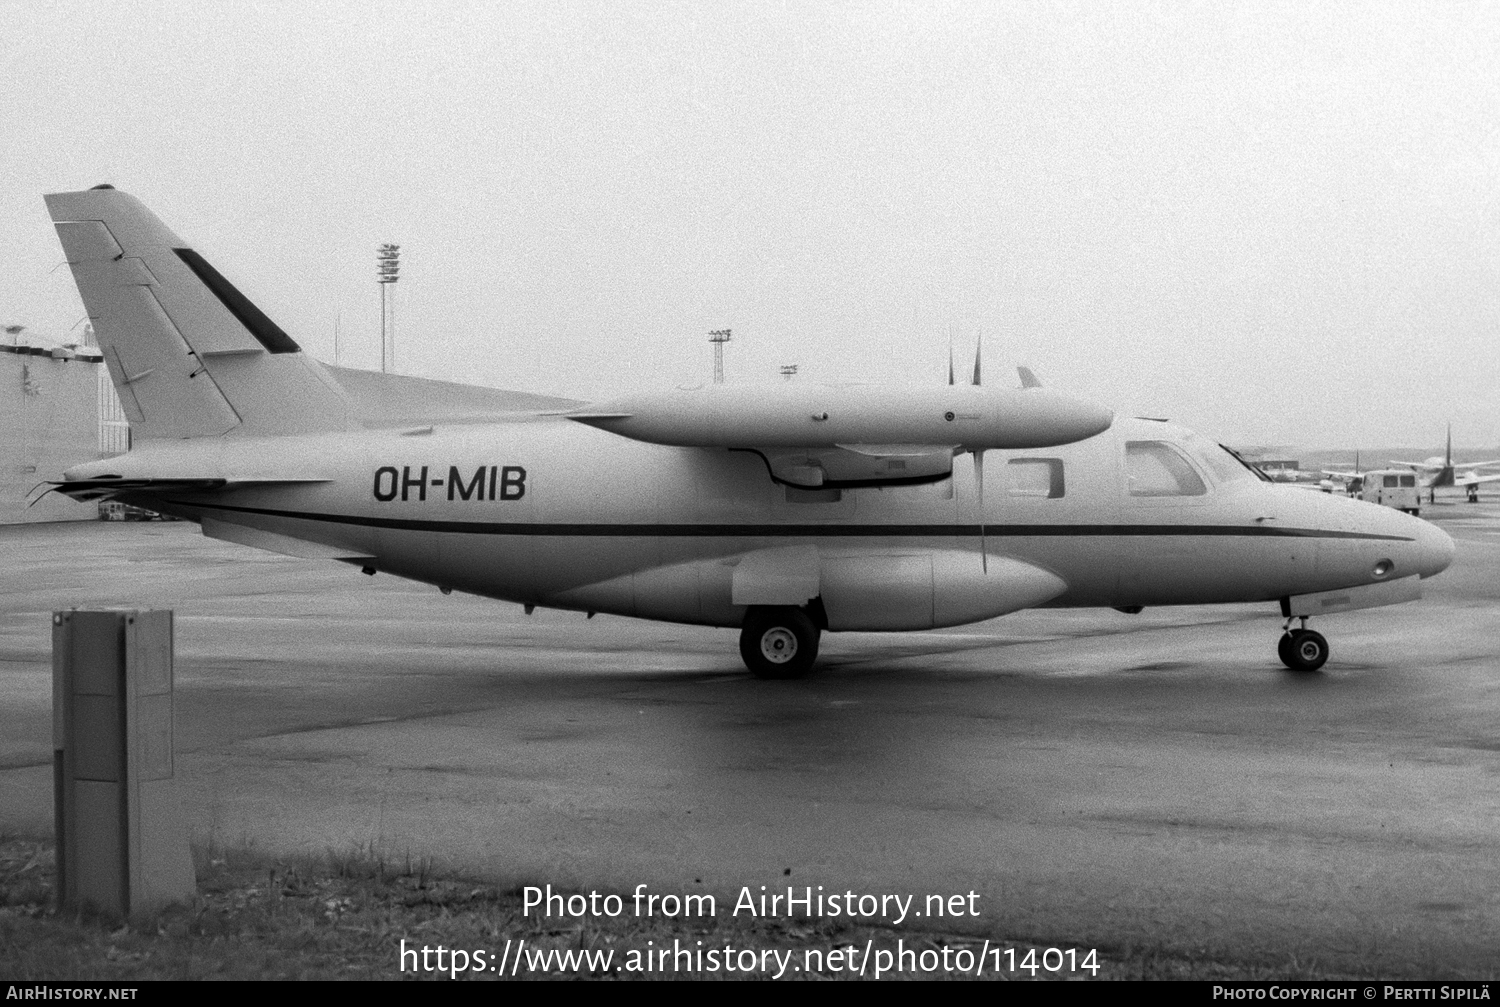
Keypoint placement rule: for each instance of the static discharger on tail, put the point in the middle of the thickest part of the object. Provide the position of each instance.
(785, 511)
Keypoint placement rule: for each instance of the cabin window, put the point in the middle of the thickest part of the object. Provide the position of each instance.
(1157, 469)
(1034, 477)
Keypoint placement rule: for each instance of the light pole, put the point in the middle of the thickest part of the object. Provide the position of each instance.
(387, 272)
(719, 337)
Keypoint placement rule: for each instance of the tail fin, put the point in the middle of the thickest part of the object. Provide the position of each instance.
(189, 355)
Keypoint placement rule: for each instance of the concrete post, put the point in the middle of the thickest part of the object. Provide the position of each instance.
(120, 841)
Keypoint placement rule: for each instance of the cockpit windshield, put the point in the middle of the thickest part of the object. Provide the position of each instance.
(1247, 467)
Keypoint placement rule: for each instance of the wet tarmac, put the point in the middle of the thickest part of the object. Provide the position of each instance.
(1097, 778)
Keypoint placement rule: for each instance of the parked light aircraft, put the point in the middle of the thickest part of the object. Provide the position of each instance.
(1353, 481)
(1440, 471)
(1433, 474)
(783, 511)
(1298, 478)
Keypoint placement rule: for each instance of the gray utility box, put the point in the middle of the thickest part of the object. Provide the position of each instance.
(120, 841)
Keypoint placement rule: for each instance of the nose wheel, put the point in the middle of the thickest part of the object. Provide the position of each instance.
(1302, 649)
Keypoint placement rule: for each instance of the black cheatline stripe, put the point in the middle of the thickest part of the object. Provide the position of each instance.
(601, 530)
(266, 332)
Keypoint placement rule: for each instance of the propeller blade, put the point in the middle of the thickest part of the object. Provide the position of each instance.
(984, 550)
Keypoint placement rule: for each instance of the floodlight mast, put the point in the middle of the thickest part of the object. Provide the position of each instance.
(387, 272)
(719, 337)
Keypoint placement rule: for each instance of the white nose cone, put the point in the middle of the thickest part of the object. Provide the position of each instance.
(802, 416)
(1434, 550)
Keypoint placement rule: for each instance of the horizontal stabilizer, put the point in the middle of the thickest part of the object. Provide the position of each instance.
(109, 487)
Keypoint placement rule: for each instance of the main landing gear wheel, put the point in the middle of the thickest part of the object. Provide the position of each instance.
(778, 642)
(1303, 650)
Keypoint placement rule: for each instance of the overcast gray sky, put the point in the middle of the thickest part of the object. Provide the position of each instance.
(1277, 223)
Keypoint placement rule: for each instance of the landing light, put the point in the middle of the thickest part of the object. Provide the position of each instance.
(1384, 567)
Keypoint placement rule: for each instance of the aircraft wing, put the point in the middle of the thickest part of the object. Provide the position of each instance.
(1473, 465)
(1474, 479)
(1346, 476)
(846, 466)
(851, 435)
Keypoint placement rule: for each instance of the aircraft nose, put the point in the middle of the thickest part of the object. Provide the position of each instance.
(1434, 550)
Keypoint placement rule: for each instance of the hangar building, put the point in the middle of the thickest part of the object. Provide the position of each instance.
(57, 409)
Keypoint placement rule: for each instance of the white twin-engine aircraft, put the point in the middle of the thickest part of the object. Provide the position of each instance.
(786, 511)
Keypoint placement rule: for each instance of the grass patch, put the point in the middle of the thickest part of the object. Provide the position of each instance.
(344, 914)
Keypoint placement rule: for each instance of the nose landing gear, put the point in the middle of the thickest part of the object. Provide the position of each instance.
(1302, 649)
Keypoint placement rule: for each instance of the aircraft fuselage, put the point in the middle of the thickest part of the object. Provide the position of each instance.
(547, 512)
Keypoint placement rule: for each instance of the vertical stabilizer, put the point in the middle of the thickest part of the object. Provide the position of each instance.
(188, 353)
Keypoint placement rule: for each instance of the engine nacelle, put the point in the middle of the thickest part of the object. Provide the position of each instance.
(870, 589)
(928, 589)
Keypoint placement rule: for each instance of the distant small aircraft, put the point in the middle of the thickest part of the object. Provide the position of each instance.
(1283, 472)
(1440, 471)
(1353, 480)
(1300, 478)
(784, 511)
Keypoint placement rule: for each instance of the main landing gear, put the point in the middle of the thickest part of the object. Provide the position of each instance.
(779, 641)
(1302, 649)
